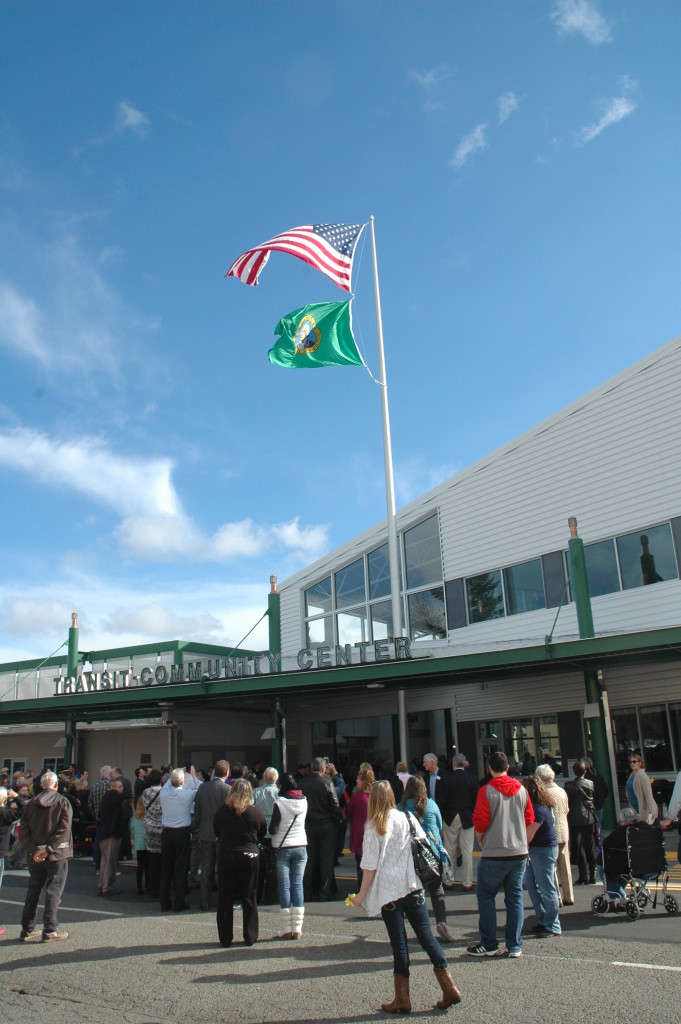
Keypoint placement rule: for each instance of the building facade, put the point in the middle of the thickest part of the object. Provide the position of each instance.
(491, 656)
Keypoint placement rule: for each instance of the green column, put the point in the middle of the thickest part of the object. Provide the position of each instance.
(276, 715)
(71, 670)
(594, 694)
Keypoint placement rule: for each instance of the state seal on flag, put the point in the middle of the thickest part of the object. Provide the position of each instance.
(307, 337)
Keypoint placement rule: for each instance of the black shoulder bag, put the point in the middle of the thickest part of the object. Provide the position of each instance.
(427, 863)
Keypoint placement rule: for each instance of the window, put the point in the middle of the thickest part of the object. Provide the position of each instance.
(352, 626)
(427, 614)
(422, 555)
(485, 597)
(354, 604)
(647, 557)
(524, 587)
(379, 572)
(320, 632)
(382, 620)
(655, 735)
(601, 567)
(350, 584)
(318, 598)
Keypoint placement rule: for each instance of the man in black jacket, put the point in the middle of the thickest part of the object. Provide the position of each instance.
(46, 837)
(210, 796)
(457, 819)
(114, 824)
(321, 827)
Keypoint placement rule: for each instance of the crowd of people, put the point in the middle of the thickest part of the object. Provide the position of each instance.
(237, 834)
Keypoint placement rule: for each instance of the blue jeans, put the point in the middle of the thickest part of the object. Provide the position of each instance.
(492, 875)
(413, 907)
(290, 865)
(540, 884)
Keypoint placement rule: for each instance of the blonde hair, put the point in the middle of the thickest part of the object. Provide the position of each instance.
(365, 780)
(240, 796)
(381, 803)
(139, 810)
(3, 796)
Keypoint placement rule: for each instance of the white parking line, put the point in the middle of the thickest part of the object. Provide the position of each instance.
(74, 910)
(646, 967)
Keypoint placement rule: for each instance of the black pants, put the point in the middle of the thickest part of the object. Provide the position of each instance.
(237, 881)
(175, 849)
(154, 860)
(319, 880)
(50, 874)
(142, 870)
(583, 850)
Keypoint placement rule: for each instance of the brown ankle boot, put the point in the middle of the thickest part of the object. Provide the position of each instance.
(401, 1003)
(450, 993)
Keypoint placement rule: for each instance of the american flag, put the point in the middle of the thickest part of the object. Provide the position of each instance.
(328, 247)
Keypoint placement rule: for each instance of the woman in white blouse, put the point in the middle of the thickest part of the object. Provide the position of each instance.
(391, 888)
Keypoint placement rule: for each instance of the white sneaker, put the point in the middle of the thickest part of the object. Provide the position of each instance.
(444, 932)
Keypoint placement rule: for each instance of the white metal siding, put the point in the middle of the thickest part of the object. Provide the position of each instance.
(611, 459)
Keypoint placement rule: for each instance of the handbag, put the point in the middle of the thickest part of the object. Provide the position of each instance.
(427, 863)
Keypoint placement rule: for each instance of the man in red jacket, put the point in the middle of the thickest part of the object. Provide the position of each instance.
(46, 837)
(503, 821)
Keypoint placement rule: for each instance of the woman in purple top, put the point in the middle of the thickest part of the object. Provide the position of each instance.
(356, 812)
(540, 870)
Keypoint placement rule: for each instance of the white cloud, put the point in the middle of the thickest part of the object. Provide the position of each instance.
(72, 319)
(168, 538)
(20, 324)
(613, 111)
(114, 614)
(507, 104)
(413, 479)
(76, 463)
(429, 82)
(128, 118)
(582, 17)
(472, 143)
(162, 532)
(156, 620)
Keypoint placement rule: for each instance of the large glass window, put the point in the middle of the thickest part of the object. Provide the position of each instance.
(427, 614)
(524, 586)
(320, 632)
(485, 597)
(520, 747)
(626, 740)
(350, 584)
(382, 620)
(318, 598)
(647, 557)
(655, 735)
(352, 626)
(601, 568)
(422, 555)
(379, 572)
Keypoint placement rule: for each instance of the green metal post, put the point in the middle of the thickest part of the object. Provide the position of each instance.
(594, 695)
(71, 670)
(276, 718)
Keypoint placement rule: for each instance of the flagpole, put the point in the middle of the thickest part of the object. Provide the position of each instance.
(393, 552)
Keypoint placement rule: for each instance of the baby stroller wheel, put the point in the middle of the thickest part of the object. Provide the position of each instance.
(599, 905)
(670, 905)
(633, 910)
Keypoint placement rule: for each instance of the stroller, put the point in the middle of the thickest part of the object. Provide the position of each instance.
(646, 862)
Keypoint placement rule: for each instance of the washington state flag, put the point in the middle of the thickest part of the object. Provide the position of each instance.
(316, 335)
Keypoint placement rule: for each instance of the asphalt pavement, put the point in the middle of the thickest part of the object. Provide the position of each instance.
(126, 962)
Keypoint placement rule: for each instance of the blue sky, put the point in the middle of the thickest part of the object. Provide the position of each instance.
(522, 164)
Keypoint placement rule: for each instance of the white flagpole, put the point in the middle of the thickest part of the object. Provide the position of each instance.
(393, 553)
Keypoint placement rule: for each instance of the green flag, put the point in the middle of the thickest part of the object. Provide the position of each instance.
(316, 335)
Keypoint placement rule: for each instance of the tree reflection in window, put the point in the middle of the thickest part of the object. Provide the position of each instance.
(485, 597)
